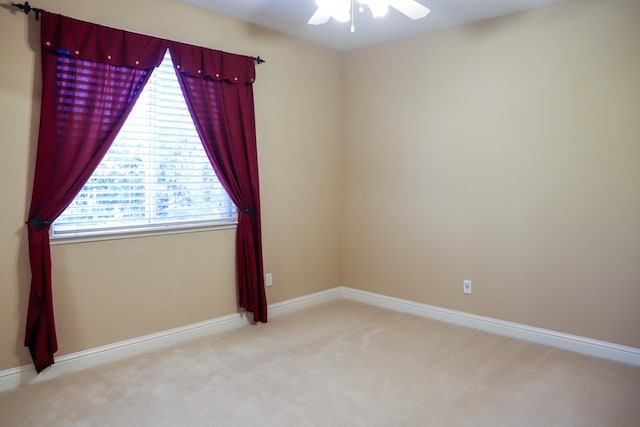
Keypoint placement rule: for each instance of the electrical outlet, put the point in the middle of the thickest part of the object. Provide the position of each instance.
(466, 286)
(268, 279)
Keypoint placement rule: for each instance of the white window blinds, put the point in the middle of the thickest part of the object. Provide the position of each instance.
(155, 175)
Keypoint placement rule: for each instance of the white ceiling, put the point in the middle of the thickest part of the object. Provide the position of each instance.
(291, 16)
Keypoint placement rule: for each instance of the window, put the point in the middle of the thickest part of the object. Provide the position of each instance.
(156, 176)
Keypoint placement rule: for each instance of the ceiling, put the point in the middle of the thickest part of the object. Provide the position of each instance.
(291, 16)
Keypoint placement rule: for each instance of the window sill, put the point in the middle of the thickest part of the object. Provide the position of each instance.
(148, 232)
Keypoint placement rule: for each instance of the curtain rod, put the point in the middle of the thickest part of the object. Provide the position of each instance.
(27, 8)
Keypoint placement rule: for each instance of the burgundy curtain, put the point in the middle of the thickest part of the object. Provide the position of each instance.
(223, 112)
(88, 90)
(92, 76)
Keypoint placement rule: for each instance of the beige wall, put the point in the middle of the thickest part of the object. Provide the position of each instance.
(506, 152)
(111, 291)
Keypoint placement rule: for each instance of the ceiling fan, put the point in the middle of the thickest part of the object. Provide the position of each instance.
(342, 10)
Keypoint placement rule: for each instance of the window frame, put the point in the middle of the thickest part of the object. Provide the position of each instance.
(84, 237)
(148, 230)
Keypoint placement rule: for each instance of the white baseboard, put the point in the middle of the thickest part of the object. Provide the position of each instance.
(577, 344)
(15, 377)
(23, 375)
(306, 301)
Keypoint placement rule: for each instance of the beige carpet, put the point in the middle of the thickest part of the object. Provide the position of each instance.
(340, 364)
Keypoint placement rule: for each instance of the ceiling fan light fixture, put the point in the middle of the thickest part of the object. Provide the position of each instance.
(342, 10)
(379, 8)
(342, 16)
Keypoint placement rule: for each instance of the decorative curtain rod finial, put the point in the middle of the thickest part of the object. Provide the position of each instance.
(259, 60)
(26, 8)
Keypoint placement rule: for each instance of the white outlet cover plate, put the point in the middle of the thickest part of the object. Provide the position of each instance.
(467, 286)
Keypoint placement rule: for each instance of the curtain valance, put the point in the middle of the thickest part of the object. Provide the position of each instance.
(97, 43)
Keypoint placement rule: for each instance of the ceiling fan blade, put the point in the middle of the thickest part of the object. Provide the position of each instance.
(411, 8)
(320, 17)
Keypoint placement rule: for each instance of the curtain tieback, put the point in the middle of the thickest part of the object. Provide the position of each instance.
(249, 211)
(37, 223)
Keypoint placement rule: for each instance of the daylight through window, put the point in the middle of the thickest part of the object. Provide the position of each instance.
(155, 176)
